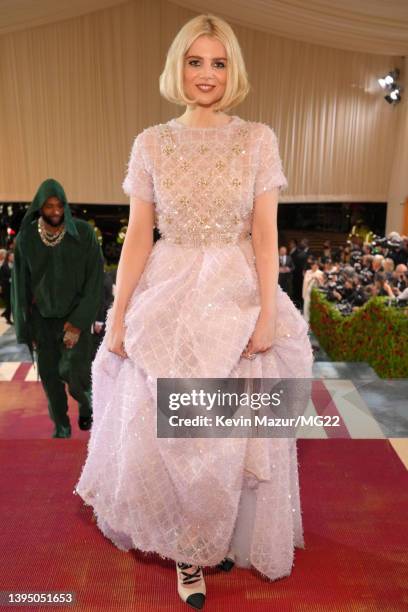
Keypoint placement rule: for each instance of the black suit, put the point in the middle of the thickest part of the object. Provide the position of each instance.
(299, 260)
(302, 263)
(105, 304)
(5, 279)
(285, 278)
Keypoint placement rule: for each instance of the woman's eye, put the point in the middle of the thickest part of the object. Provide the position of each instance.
(197, 62)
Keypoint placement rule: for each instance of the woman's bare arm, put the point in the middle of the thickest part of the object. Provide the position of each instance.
(136, 249)
(265, 244)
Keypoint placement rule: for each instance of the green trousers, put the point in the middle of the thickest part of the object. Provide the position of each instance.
(58, 365)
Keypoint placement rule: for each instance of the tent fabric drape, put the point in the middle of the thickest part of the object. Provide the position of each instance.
(372, 26)
(76, 92)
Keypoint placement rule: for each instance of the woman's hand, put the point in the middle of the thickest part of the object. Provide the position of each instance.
(262, 337)
(115, 337)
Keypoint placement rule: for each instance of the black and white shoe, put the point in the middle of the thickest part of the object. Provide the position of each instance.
(191, 585)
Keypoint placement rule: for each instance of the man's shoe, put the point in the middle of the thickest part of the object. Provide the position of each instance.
(85, 423)
(62, 431)
(227, 563)
(191, 585)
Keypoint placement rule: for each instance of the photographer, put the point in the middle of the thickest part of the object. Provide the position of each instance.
(395, 292)
(347, 290)
(388, 267)
(381, 287)
(399, 279)
(398, 250)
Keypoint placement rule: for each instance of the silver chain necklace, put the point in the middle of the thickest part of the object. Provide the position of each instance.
(47, 237)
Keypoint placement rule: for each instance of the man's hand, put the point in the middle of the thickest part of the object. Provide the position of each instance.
(71, 335)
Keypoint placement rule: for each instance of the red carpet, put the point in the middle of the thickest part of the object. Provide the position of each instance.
(24, 412)
(355, 501)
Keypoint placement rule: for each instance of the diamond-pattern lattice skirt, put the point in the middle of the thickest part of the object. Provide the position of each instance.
(190, 500)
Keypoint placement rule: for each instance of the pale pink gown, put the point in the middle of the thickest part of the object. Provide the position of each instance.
(191, 315)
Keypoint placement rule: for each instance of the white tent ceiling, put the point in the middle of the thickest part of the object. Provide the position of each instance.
(23, 14)
(372, 26)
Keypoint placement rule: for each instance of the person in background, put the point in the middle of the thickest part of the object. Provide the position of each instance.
(362, 231)
(56, 290)
(400, 295)
(3, 255)
(313, 277)
(377, 263)
(399, 248)
(400, 277)
(297, 276)
(5, 280)
(380, 286)
(286, 268)
(329, 267)
(388, 266)
(326, 251)
(99, 326)
(345, 254)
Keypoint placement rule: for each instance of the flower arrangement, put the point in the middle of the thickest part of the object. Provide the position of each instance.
(375, 333)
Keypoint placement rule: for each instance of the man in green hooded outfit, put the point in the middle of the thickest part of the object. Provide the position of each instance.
(56, 288)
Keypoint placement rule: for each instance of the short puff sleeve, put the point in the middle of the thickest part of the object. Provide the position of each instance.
(269, 172)
(138, 181)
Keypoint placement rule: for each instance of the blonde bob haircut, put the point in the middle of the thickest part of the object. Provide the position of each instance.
(171, 79)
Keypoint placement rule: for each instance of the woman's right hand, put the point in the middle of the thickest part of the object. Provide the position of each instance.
(115, 338)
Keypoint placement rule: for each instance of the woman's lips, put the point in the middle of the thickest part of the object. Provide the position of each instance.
(205, 88)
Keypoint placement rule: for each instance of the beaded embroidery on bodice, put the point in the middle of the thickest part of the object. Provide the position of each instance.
(200, 195)
(203, 180)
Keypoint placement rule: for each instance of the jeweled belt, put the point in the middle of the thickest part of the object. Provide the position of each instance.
(198, 241)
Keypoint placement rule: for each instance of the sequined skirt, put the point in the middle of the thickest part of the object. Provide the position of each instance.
(190, 500)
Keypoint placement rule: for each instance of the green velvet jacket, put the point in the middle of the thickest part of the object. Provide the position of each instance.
(65, 281)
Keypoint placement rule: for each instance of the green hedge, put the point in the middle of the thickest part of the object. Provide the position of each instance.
(375, 333)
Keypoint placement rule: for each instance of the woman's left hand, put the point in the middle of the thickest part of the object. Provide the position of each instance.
(262, 337)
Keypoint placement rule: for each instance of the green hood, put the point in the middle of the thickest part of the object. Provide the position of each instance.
(48, 188)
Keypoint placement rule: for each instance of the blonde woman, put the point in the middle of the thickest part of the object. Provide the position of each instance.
(203, 301)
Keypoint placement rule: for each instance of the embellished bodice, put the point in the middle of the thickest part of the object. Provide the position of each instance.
(203, 181)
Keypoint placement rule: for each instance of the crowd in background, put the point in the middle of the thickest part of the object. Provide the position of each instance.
(348, 275)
